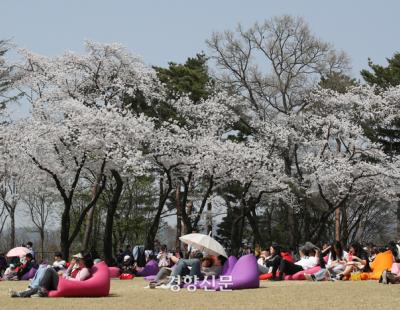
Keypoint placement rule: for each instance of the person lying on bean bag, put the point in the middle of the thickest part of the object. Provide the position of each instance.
(195, 268)
(48, 278)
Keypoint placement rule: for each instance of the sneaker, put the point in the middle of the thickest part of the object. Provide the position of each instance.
(148, 286)
(13, 293)
(170, 286)
(309, 277)
(166, 286)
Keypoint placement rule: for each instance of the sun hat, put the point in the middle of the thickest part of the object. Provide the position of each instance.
(79, 255)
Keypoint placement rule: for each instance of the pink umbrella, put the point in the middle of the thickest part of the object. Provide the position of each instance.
(19, 251)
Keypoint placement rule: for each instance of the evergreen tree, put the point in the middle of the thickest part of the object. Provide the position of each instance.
(337, 81)
(389, 136)
(191, 78)
(383, 78)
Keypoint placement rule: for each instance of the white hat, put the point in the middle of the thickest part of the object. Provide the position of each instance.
(126, 257)
(79, 255)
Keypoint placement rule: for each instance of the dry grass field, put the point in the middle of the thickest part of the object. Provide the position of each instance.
(130, 294)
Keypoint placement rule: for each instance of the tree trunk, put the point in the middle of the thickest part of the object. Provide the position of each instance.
(306, 226)
(151, 235)
(344, 228)
(111, 209)
(189, 210)
(251, 217)
(64, 236)
(241, 222)
(178, 217)
(88, 229)
(185, 218)
(291, 228)
(42, 234)
(209, 218)
(203, 204)
(12, 227)
(90, 215)
(337, 224)
(236, 232)
(269, 226)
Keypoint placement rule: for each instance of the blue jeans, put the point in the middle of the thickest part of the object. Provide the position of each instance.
(182, 269)
(320, 275)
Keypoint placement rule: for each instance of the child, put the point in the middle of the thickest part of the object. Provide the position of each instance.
(163, 257)
(10, 273)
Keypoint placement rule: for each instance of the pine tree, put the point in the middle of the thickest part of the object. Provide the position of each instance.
(384, 78)
(389, 136)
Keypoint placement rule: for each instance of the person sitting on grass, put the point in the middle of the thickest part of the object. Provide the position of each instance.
(27, 264)
(337, 259)
(46, 279)
(10, 273)
(162, 257)
(128, 266)
(323, 274)
(309, 258)
(274, 260)
(264, 256)
(357, 262)
(195, 268)
(165, 272)
(59, 264)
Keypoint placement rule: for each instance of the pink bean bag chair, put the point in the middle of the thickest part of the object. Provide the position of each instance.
(115, 272)
(244, 275)
(151, 268)
(30, 274)
(96, 286)
(300, 275)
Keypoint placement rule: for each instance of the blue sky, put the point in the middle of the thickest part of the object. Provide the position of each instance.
(172, 30)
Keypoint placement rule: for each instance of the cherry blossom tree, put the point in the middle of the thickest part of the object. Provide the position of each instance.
(102, 83)
(11, 186)
(67, 139)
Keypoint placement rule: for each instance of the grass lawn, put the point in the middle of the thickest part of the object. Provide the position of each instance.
(130, 294)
